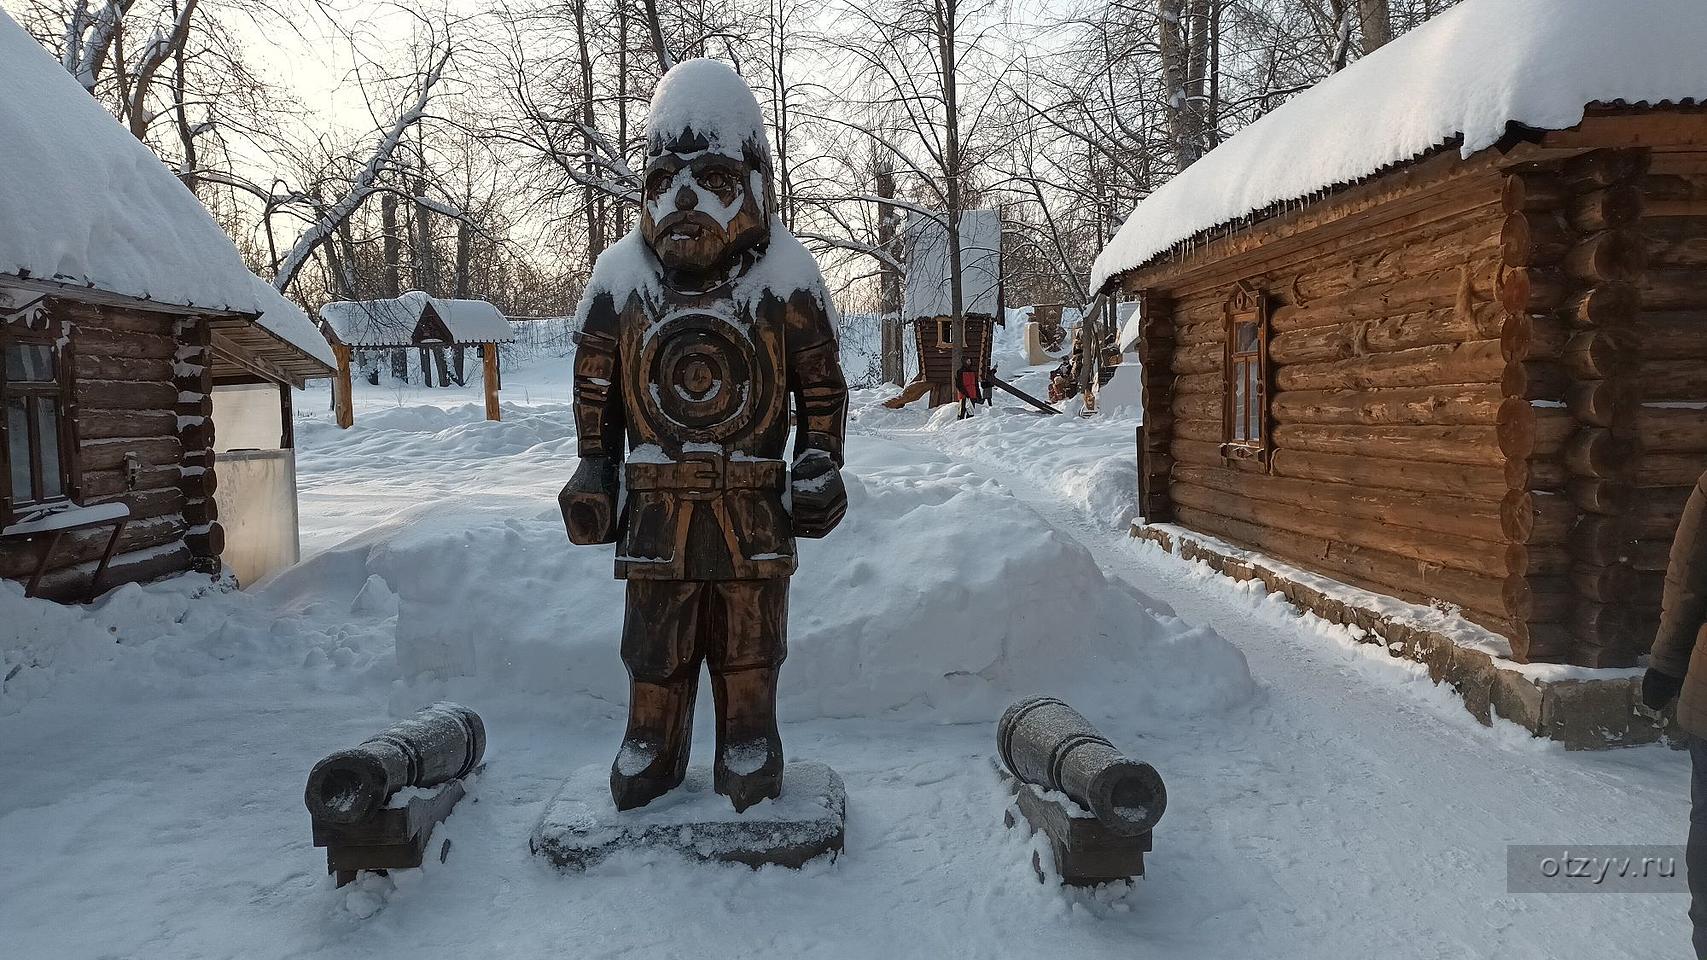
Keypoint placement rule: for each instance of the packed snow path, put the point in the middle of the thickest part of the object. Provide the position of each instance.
(1343, 807)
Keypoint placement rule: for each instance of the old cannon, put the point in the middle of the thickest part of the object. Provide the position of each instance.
(1096, 805)
(352, 795)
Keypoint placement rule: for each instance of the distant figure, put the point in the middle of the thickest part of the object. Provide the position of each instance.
(966, 387)
(989, 385)
(1671, 669)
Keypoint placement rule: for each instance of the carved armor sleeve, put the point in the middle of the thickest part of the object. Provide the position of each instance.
(598, 397)
(815, 378)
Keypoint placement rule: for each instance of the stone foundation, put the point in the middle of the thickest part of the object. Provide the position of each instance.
(1582, 711)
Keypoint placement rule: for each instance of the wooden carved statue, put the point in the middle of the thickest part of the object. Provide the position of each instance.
(699, 331)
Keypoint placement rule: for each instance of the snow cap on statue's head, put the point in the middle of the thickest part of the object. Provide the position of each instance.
(706, 103)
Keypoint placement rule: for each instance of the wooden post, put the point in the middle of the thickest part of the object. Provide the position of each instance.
(342, 403)
(489, 379)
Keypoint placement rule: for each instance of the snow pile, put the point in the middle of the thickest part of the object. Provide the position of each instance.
(1468, 72)
(939, 594)
(86, 204)
(708, 98)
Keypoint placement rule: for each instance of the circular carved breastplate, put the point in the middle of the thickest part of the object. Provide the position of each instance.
(699, 372)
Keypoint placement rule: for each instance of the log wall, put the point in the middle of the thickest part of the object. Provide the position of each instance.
(129, 386)
(1489, 382)
(1387, 468)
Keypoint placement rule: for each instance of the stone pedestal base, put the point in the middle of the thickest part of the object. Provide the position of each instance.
(580, 826)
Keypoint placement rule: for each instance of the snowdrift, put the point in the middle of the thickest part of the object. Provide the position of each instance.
(940, 594)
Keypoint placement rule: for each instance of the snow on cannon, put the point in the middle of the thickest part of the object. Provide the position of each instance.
(374, 806)
(1094, 804)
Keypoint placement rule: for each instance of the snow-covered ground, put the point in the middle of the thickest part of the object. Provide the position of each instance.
(1325, 801)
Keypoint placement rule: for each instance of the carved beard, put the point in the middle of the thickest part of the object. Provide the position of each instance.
(697, 231)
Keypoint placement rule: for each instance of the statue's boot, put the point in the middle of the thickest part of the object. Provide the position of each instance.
(654, 755)
(749, 749)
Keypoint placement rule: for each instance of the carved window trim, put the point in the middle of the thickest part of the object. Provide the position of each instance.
(1247, 428)
(36, 326)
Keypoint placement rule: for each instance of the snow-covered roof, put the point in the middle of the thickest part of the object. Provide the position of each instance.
(1468, 72)
(376, 323)
(85, 204)
(925, 242)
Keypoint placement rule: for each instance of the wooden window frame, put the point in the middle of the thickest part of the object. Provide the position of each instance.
(36, 324)
(945, 333)
(1246, 306)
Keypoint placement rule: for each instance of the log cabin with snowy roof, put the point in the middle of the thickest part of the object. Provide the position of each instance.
(1437, 327)
(130, 327)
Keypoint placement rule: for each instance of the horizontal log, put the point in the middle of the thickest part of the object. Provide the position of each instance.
(1671, 429)
(1671, 335)
(1341, 341)
(1532, 337)
(1535, 474)
(1526, 430)
(1672, 288)
(1475, 362)
(1607, 255)
(1197, 452)
(206, 543)
(1671, 381)
(1532, 289)
(1535, 517)
(1599, 496)
(1671, 186)
(145, 504)
(1613, 583)
(1454, 444)
(1418, 405)
(1677, 241)
(109, 483)
(1367, 301)
(1603, 168)
(1619, 205)
(1202, 332)
(1537, 560)
(1597, 402)
(110, 454)
(1539, 599)
(1656, 513)
(1454, 516)
(1475, 556)
(155, 369)
(1472, 482)
(1596, 452)
(1650, 556)
(1603, 305)
(1200, 358)
(1197, 383)
(1598, 354)
(1198, 406)
(1535, 192)
(1363, 567)
(1535, 238)
(1203, 431)
(1535, 380)
(108, 343)
(118, 320)
(1599, 541)
(1670, 469)
(98, 395)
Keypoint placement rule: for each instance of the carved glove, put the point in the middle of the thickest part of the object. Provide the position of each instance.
(820, 499)
(589, 500)
(1659, 689)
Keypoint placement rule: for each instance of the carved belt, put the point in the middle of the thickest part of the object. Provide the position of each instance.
(707, 474)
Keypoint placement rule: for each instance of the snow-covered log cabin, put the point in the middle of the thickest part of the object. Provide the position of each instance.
(130, 327)
(1437, 327)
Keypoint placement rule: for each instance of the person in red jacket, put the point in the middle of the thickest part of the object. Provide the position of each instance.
(966, 387)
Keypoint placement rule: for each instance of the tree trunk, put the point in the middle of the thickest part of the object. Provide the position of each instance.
(1376, 23)
(947, 15)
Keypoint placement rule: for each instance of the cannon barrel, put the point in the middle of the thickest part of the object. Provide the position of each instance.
(1045, 742)
(443, 742)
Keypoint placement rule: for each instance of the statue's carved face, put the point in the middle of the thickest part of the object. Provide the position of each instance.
(701, 209)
